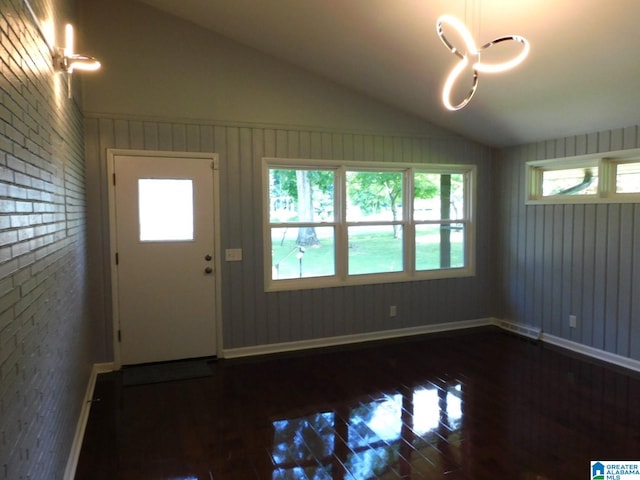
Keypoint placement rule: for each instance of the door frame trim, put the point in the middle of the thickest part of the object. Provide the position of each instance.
(112, 153)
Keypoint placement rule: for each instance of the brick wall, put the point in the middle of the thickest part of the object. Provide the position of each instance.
(44, 327)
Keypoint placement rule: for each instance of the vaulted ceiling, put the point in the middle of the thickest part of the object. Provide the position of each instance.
(582, 74)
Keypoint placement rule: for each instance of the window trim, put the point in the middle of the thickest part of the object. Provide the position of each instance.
(607, 173)
(341, 277)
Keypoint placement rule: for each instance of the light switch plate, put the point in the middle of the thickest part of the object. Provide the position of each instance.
(233, 254)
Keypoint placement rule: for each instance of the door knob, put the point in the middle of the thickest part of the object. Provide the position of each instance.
(208, 258)
(208, 270)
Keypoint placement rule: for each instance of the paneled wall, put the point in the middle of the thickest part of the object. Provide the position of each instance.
(250, 316)
(45, 356)
(558, 260)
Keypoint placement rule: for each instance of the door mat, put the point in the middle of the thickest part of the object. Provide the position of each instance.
(165, 372)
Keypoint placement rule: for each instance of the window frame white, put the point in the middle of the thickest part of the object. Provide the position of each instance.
(341, 277)
(607, 176)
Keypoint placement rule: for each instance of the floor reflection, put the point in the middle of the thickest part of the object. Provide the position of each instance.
(389, 435)
(479, 405)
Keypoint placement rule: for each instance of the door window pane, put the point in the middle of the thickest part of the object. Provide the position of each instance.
(165, 209)
(375, 249)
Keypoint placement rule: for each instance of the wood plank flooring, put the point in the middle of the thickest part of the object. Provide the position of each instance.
(481, 404)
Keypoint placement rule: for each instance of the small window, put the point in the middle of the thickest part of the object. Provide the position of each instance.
(585, 179)
(571, 181)
(628, 177)
(165, 210)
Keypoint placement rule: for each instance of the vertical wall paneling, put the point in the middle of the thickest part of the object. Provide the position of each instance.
(625, 279)
(634, 327)
(556, 296)
(570, 259)
(136, 137)
(577, 271)
(516, 250)
(249, 220)
(630, 137)
(586, 324)
(252, 317)
(538, 282)
(547, 281)
(567, 262)
(600, 286)
(150, 136)
(611, 278)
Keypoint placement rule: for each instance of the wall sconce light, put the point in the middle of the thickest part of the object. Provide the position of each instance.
(473, 51)
(66, 60)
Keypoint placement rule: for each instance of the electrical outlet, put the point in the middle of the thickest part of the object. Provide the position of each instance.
(573, 321)
(393, 311)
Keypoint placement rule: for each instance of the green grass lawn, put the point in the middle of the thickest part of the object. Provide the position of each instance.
(377, 252)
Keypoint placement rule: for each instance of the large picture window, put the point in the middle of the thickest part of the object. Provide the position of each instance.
(333, 223)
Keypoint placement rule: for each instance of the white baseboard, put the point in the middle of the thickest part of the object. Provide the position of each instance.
(520, 329)
(596, 353)
(351, 339)
(74, 455)
(529, 331)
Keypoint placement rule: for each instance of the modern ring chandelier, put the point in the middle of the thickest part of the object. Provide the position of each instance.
(473, 54)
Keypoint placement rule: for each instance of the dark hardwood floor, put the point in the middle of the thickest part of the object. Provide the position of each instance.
(481, 404)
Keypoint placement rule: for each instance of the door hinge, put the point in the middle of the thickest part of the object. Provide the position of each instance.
(114, 179)
(117, 259)
(119, 336)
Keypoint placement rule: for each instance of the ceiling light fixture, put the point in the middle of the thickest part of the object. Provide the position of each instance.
(475, 53)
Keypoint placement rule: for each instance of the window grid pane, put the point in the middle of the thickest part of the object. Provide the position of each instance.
(297, 195)
(440, 246)
(374, 196)
(375, 249)
(438, 196)
(628, 177)
(571, 181)
(290, 259)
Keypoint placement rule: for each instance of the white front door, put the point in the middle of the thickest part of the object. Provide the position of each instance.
(164, 259)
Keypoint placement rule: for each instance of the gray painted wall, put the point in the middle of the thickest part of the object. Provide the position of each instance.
(45, 331)
(158, 66)
(250, 316)
(169, 85)
(558, 260)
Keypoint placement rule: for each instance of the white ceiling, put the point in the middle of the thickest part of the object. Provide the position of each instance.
(582, 75)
